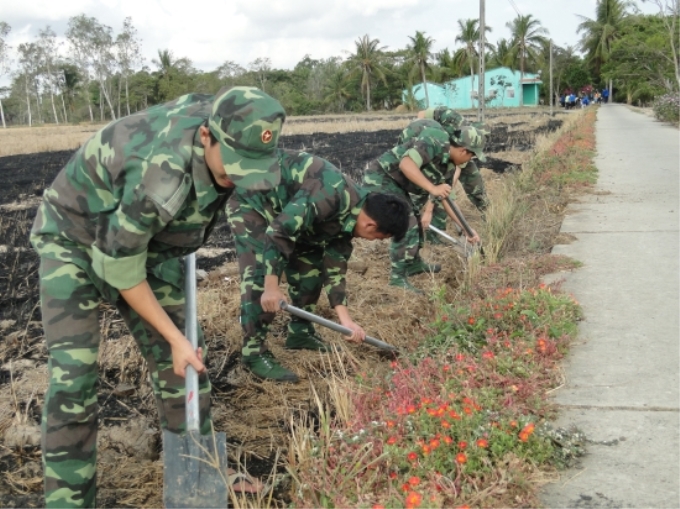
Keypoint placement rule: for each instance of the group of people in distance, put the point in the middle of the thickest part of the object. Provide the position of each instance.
(569, 100)
(147, 189)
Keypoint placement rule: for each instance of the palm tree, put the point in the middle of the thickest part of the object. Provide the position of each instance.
(527, 42)
(368, 61)
(501, 54)
(469, 37)
(335, 90)
(419, 52)
(600, 33)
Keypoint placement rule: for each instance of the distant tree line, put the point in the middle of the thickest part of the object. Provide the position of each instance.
(101, 75)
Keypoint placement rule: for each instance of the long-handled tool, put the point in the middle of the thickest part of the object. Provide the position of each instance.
(459, 247)
(194, 465)
(461, 218)
(332, 325)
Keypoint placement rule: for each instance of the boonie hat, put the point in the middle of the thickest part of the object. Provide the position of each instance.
(247, 123)
(472, 140)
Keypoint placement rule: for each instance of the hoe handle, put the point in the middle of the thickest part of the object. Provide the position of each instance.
(459, 215)
(331, 325)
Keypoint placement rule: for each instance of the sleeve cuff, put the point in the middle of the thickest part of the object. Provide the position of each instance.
(121, 273)
(413, 154)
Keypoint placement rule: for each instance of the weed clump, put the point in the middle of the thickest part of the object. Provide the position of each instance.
(667, 108)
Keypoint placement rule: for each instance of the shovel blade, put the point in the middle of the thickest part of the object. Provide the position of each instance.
(194, 470)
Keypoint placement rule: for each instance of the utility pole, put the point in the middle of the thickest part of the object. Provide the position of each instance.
(552, 93)
(482, 71)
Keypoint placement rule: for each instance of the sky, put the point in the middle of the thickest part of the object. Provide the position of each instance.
(213, 31)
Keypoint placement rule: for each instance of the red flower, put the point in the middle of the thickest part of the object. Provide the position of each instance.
(414, 481)
(411, 409)
(446, 424)
(426, 450)
(434, 444)
(406, 487)
(498, 316)
(412, 456)
(487, 355)
(413, 500)
(483, 443)
(392, 440)
(471, 320)
(378, 506)
(462, 445)
(393, 475)
(447, 440)
(461, 458)
(460, 357)
(390, 424)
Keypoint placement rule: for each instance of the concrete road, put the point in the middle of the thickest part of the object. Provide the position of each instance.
(622, 385)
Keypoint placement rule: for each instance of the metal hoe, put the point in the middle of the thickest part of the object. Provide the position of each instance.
(458, 246)
(332, 325)
(194, 465)
(461, 218)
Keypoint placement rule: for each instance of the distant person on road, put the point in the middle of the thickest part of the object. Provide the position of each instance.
(605, 95)
(415, 168)
(303, 229)
(468, 173)
(140, 194)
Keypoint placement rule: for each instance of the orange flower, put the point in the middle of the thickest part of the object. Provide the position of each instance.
(498, 316)
(446, 424)
(392, 440)
(463, 507)
(467, 410)
(454, 415)
(414, 481)
(483, 443)
(487, 355)
(411, 409)
(378, 506)
(393, 475)
(426, 450)
(459, 357)
(447, 440)
(471, 320)
(413, 500)
(462, 445)
(390, 424)
(461, 457)
(513, 424)
(434, 444)
(412, 456)
(406, 487)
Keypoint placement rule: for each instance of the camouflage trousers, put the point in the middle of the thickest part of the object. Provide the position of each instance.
(304, 274)
(70, 298)
(405, 251)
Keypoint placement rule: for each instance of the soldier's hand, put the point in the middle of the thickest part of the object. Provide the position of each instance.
(441, 191)
(358, 334)
(183, 355)
(425, 220)
(474, 239)
(271, 297)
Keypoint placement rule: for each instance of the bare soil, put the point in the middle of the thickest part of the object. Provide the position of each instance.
(254, 414)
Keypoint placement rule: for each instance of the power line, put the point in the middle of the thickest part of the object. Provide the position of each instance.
(512, 3)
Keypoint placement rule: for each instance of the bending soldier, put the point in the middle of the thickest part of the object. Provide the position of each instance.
(141, 193)
(303, 228)
(420, 168)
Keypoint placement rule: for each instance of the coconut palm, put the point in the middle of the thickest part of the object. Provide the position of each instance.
(368, 60)
(469, 37)
(599, 34)
(501, 54)
(418, 54)
(528, 42)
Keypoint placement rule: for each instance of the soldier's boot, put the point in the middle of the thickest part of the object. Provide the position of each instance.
(400, 279)
(302, 341)
(264, 365)
(418, 266)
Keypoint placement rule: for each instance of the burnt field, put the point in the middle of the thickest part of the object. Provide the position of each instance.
(129, 467)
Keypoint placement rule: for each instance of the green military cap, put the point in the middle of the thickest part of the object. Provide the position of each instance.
(471, 139)
(247, 123)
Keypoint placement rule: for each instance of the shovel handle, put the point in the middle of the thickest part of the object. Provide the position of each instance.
(459, 215)
(444, 235)
(191, 333)
(331, 325)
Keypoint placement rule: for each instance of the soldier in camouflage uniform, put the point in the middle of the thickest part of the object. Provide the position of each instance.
(141, 193)
(469, 175)
(303, 228)
(421, 168)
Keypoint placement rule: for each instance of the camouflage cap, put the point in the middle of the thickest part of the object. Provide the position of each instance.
(247, 123)
(448, 118)
(471, 139)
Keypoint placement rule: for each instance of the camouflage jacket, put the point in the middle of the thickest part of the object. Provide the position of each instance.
(446, 117)
(314, 205)
(429, 150)
(136, 194)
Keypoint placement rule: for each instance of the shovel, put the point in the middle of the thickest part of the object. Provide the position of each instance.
(457, 244)
(194, 465)
(461, 218)
(332, 325)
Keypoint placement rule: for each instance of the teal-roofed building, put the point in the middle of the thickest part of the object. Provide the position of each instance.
(501, 88)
